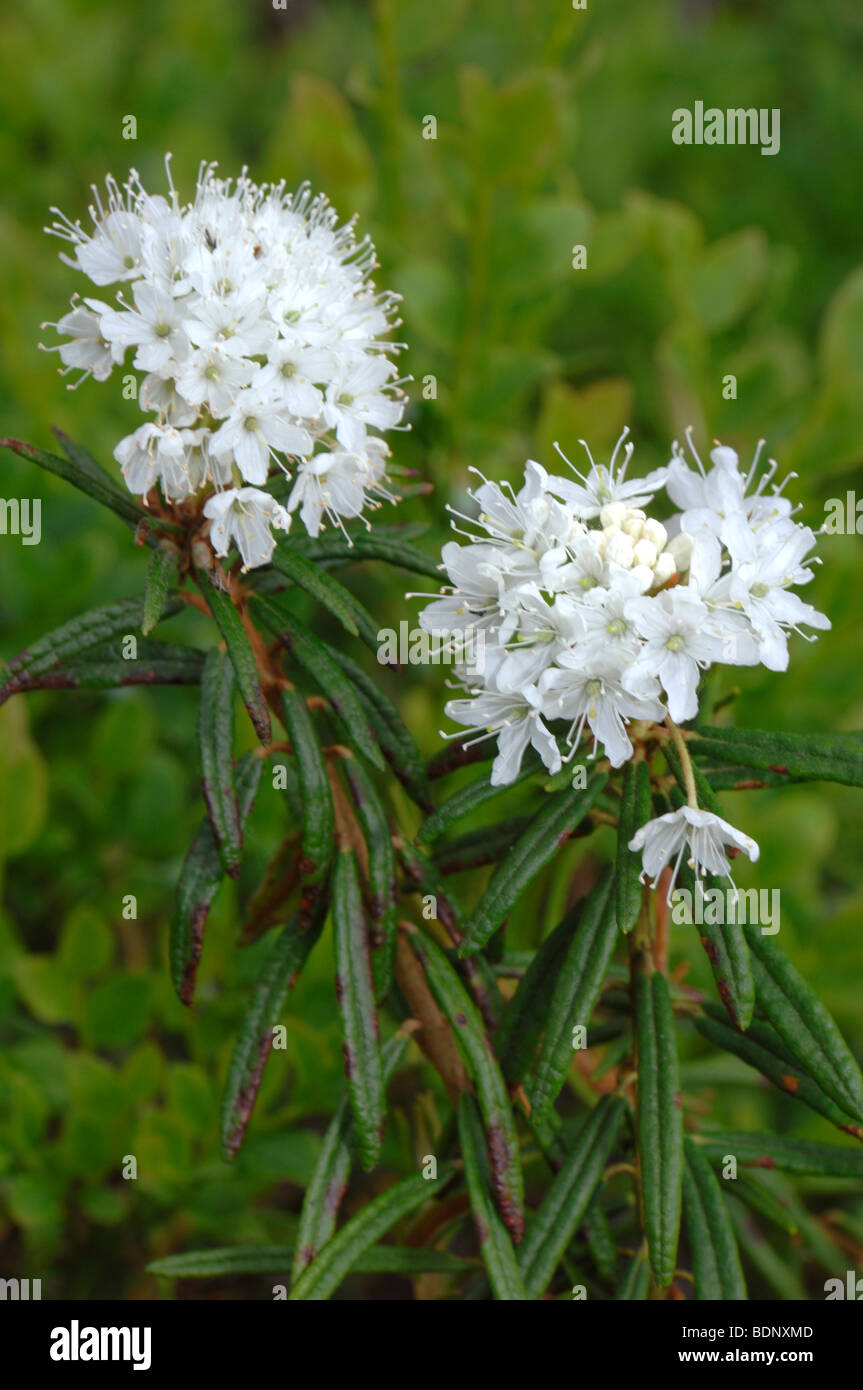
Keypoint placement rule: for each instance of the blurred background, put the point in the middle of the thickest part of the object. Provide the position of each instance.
(552, 129)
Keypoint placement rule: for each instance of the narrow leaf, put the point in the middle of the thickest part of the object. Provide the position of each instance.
(382, 873)
(495, 1245)
(592, 933)
(75, 638)
(805, 1157)
(762, 1048)
(92, 479)
(390, 544)
(199, 879)
(635, 1282)
(715, 1259)
(316, 797)
(313, 656)
(659, 1124)
(101, 668)
(332, 1170)
(356, 996)
(831, 757)
(273, 1259)
(804, 1024)
(467, 799)
(531, 853)
(528, 1010)
(726, 948)
(566, 1202)
(282, 966)
(341, 1254)
(328, 591)
(242, 658)
(634, 812)
(215, 744)
(161, 574)
(396, 742)
(480, 1061)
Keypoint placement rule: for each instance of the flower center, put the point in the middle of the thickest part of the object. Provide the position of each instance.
(346, 399)
(759, 590)
(162, 330)
(250, 423)
(616, 628)
(675, 642)
(593, 688)
(289, 369)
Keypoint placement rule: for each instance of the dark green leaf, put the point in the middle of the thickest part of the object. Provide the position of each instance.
(273, 1259)
(762, 1048)
(284, 962)
(659, 1124)
(565, 1204)
(316, 797)
(215, 745)
(805, 1157)
(592, 933)
(495, 1244)
(396, 742)
(356, 996)
(804, 1024)
(161, 574)
(332, 1170)
(528, 1010)
(242, 658)
(480, 1061)
(199, 879)
(88, 477)
(341, 1254)
(726, 948)
(715, 1260)
(314, 657)
(382, 873)
(156, 663)
(831, 757)
(535, 848)
(634, 812)
(328, 592)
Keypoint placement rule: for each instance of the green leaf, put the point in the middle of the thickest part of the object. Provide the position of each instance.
(715, 1259)
(215, 742)
(566, 1202)
(495, 1244)
(83, 473)
(659, 1124)
(479, 1058)
(528, 1009)
(634, 1284)
(156, 663)
(356, 996)
(332, 1170)
(396, 742)
(73, 639)
(273, 1259)
(341, 1254)
(805, 1157)
(242, 658)
(727, 951)
(634, 812)
(466, 800)
(382, 885)
(199, 879)
(317, 800)
(592, 934)
(728, 277)
(384, 543)
(285, 960)
(761, 1047)
(532, 852)
(831, 757)
(161, 574)
(804, 1024)
(478, 847)
(328, 591)
(314, 657)
(600, 1237)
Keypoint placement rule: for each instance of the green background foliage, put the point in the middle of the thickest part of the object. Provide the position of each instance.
(553, 129)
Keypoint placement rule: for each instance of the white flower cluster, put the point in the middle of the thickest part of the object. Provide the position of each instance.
(594, 614)
(257, 327)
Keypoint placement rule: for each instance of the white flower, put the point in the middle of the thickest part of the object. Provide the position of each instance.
(254, 317)
(245, 515)
(516, 719)
(705, 835)
(602, 485)
(587, 688)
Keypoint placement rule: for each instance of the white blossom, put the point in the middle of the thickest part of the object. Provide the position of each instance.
(253, 316)
(705, 835)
